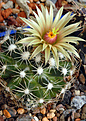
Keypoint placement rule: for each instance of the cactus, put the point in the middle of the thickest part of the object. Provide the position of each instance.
(33, 77)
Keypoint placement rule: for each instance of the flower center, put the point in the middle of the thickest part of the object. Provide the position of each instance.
(51, 37)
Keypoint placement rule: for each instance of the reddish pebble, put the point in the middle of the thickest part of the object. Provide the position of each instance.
(32, 5)
(20, 111)
(20, 22)
(1, 18)
(55, 118)
(12, 21)
(78, 119)
(6, 13)
(22, 14)
(6, 113)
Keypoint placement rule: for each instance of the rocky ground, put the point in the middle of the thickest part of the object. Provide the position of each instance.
(70, 106)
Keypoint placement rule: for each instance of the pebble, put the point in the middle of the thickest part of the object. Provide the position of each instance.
(50, 115)
(45, 119)
(36, 119)
(55, 118)
(62, 118)
(6, 13)
(52, 111)
(20, 111)
(6, 113)
(57, 114)
(76, 115)
(22, 14)
(9, 4)
(1, 118)
(78, 119)
(67, 98)
(43, 111)
(24, 118)
(1, 4)
(14, 10)
(39, 115)
(78, 101)
(59, 106)
(1, 17)
(82, 78)
(77, 92)
(84, 109)
(83, 116)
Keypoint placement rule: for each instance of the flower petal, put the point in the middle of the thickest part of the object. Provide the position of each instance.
(26, 40)
(70, 48)
(65, 53)
(55, 57)
(33, 31)
(44, 46)
(72, 39)
(32, 24)
(36, 51)
(36, 41)
(58, 16)
(64, 20)
(70, 29)
(47, 54)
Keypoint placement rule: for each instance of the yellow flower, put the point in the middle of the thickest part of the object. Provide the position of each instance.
(49, 35)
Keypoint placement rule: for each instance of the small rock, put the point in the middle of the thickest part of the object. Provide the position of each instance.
(11, 119)
(21, 9)
(35, 0)
(32, 5)
(6, 113)
(61, 111)
(1, 4)
(24, 6)
(42, 0)
(50, 115)
(24, 118)
(78, 101)
(43, 111)
(45, 119)
(12, 21)
(39, 115)
(83, 116)
(36, 119)
(22, 14)
(82, 78)
(6, 13)
(52, 111)
(9, 4)
(78, 119)
(84, 109)
(1, 17)
(59, 106)
(1, 118)
(20, 22)
(82, 87)
(62, 118)
(20, 111)
(1, 112)
(77, 92)
(67, 98)
(55, 118)
(57, 114)
(76, 115)
(15, 10)
(12, 111)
